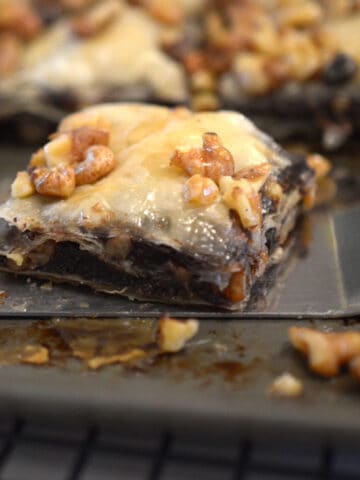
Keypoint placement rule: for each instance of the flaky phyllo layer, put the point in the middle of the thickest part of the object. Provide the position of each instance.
(156, 204)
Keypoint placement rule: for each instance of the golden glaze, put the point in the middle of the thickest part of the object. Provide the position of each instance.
(144, 191)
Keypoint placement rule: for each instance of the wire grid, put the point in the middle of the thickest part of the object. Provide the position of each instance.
(50, 453)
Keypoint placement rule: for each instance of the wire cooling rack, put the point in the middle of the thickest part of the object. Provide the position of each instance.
(29, 451)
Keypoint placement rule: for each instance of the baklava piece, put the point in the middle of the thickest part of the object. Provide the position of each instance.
(155, 204)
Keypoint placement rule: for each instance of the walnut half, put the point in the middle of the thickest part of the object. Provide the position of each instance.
(326, 352)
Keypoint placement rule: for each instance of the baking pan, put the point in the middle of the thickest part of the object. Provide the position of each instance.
(319, 279)
(218, 385)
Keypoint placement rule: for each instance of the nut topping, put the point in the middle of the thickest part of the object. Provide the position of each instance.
(84, 137)
(326, 352)
(99, 161)
(56, 181)
(200, 191)
(212, 161)
(22, 186)
(257, 175)
(20, 18)
(319, 164)
(240, 196)
(237, 288)
(96, 19)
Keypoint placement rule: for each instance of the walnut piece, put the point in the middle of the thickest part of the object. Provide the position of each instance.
(319, 164)
(240, 196)
(56, 181)
(20, 17)
(200, 191)
(256, 175)
(237, 287)
(84, 137)
(22, 186)
(96, 18)
(326, 352)
(99, 161)
(286, 385)
(173, 334)
(164, 11)
(58, 151)
(212, 160)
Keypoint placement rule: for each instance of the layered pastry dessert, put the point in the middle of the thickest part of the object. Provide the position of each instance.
(293, 67)
(156, 204)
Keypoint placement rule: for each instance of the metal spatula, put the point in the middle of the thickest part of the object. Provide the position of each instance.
(322, 283)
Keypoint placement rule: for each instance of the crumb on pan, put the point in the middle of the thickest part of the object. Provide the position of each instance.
(35, 354)
(286, 385)
(327, 352)
(127, 357)
(172, 334)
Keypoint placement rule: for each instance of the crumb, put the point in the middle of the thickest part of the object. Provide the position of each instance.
(286, 385)
(35, 354)
(84, 305)
(127, 357)
(173, 334)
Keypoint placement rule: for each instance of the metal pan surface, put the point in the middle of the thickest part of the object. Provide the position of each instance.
(320, 279)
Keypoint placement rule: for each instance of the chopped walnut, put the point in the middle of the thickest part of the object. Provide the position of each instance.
(200, 191)
(273, 190)
(319, 164)
(56, 181)
(237, 287)
(58, 151)
(286, 385)
(240, 196)
(326, 352)
(96, 18)
(72, 157)
(20, 17)
(164, 11)
(173, 334)
(84, 137)
(256, 175)
(300, 14)
(22, 186)
(99, 162)
(212, 161)
(309, 197)
(38, 159)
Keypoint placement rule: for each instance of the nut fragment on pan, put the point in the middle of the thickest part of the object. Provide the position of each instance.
(173, 334)
(327, 352)
(286, 385)
(156, 204)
